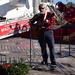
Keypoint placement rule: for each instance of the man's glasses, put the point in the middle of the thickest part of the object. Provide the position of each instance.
(42, 8)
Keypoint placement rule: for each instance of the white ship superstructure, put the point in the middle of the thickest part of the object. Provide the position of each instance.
(15, 8)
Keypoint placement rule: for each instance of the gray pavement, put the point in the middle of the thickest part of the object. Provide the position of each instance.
(28, 50)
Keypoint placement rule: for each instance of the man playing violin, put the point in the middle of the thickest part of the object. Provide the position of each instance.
(45, 21)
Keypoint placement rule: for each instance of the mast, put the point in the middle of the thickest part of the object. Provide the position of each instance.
(35, 6)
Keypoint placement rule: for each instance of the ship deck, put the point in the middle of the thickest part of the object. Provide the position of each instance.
(18, 48)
